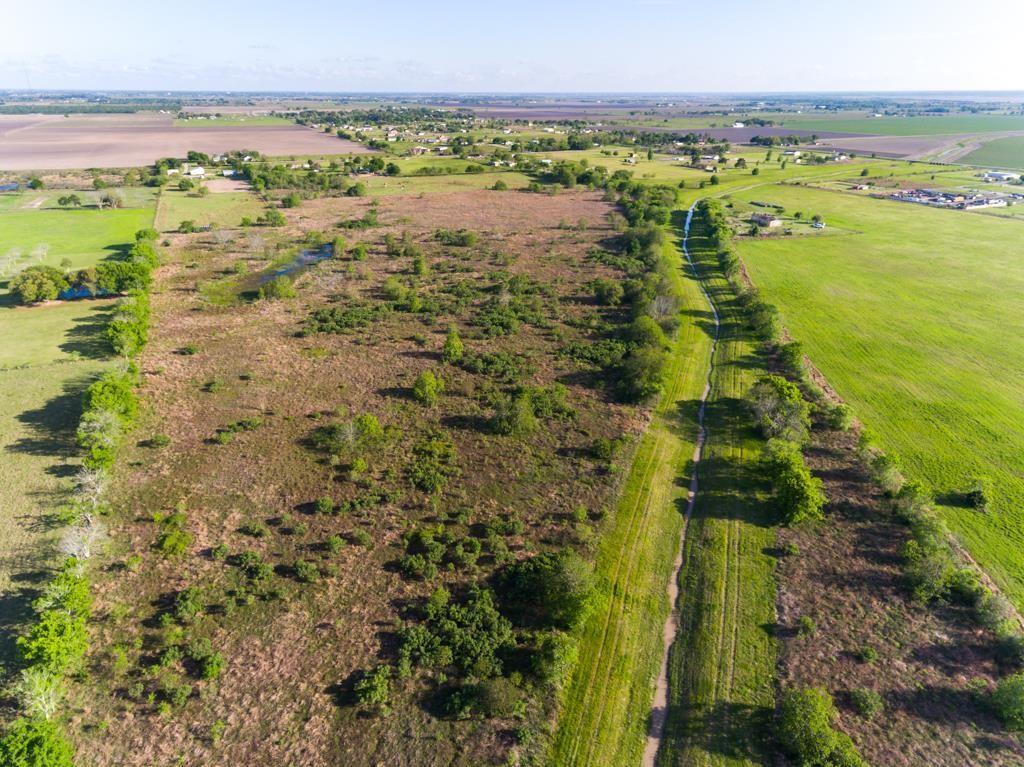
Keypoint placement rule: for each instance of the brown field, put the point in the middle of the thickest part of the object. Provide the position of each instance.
(291, 656)
(124, 141)
(947, 149)
(933, 662)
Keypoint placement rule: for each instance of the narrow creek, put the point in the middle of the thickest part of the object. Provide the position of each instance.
(659, 708)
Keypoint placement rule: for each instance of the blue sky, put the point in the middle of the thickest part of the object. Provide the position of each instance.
(481, 46)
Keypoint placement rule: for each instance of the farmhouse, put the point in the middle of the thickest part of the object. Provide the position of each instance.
(766, 219)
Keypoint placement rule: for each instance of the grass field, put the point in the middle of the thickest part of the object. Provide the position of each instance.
(49, 355)
(608, 701)
(232, 121)
(913, 321)
(1001, 153)
(34, 236)
(457, 182)
(221, 209)
(721, 668)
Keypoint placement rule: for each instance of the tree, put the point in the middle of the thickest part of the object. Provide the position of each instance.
(35, 183)
(644, 331)
(147, 235)
(453, 349)
(514, 415)
(427, 388)
(279, 287)
(374, 688)
(780, 409)
(608, 292)
(57, 641)
(187, 226)
(641, 374)
(69, 201)
(39, 283)
(798, 494)
(39, 691)
(392, 169)
(553, 590)
(35, 742)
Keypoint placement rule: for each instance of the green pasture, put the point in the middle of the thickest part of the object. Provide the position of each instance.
(912, 317)
(999, 153)
(223, 209)
(233, 121)
(457, 182)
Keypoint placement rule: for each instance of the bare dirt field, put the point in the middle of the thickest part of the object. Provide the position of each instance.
(223, 185)
(938, 148)
(120, 141)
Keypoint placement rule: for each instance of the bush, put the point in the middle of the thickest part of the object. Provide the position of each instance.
(427, 388)
(551, 590)
(174, 540)
(434, 462)
(980, 493)
(35, 742)
(374, 688)
(554, 657)
(458, 238)
(453, 350)
(514, 415)
(307, 572)
(867, 703)
(608, 292)
(644, 331)
(839, 416)
(641, 373)
(806, 626)
(1008, 701)
(57, 641)
(806, 733)
(279, 287)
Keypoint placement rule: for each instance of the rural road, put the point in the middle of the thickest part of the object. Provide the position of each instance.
(659, 708)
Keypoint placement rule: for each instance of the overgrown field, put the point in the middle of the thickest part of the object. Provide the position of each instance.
(222, 209)
(912, 318)
(908, 126)
(302, 486)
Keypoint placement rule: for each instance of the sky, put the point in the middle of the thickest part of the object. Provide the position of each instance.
(666, 46)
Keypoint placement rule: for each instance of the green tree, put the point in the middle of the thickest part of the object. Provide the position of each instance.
(806, 732)
(780, 409)
(35, 742)
(427, 388)
(1008, 701)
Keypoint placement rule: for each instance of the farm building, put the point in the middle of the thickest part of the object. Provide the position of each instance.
(997, 175)
(738, 125)
(766, 220)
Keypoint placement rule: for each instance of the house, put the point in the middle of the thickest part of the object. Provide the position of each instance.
(766, 219)
(738, 125)
(197, 172)
(228, 173)
(173, 171)
(418, 150)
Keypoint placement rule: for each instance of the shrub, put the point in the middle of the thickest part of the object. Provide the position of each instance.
(186, 227)
(335, 544)
(427, 388)
(279, 287)
(806, 733)
(434, 462)
(324, 505)
(867, 703)
(453, 349)
(307, 572)
(607, 292)
(174, 540)
(458, 238)
(644, 331)
(188, 604)
(35, 742)
(867, 654)
(806, 626)
(57, 641)
(514, 415)
(641, 373)
(1008, 701)
(374, 688)
(554, 657)
(980, 493)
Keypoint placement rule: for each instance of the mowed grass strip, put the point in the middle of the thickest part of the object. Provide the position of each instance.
(721, 666)
(607, 703)
(915, 320)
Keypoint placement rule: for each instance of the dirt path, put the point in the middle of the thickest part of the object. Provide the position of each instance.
(659, 708)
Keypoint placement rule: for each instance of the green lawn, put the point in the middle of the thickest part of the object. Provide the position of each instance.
(1000, 153)
(233, 121)
(224, 209)
(607, 703)
(914, 319)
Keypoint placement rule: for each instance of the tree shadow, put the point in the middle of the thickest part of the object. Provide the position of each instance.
(86, 337)
(52, 427)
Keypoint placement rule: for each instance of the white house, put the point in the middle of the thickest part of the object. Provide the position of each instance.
(197, 172)
(738, 125)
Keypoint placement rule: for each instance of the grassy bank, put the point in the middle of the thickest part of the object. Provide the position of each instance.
(607, 703)
(721, 667)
